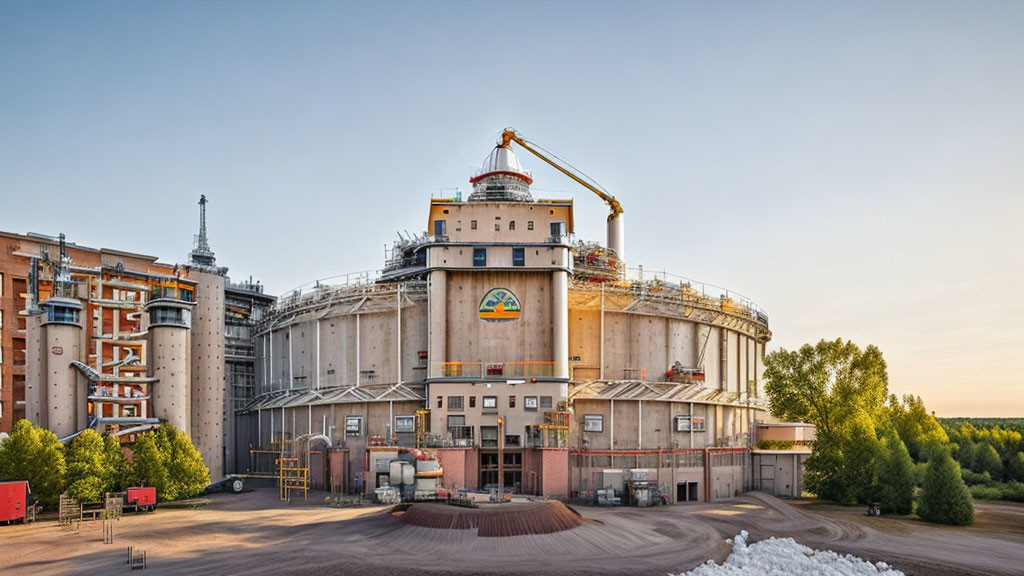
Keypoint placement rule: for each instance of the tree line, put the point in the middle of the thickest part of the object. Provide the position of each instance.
(92, 464)
(870, 446)
(992, 459)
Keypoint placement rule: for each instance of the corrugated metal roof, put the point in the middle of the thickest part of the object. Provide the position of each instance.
(336, 395)
(662, 391)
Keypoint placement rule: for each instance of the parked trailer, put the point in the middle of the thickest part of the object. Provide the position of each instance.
(141, 498)
(14, 501)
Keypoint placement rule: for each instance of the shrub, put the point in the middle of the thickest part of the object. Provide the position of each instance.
(895, 476)
(87, 475)
(973, 478)
(36, 455)
(775, 445)
(944, 497)
(1001, 491)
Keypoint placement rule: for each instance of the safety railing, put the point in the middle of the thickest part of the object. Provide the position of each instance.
(537, 369)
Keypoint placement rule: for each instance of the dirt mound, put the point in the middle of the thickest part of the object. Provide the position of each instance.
(498, 521)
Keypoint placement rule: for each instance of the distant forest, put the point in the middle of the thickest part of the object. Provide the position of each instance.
(1015, 424)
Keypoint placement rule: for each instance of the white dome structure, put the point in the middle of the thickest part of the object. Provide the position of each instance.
(501, 178)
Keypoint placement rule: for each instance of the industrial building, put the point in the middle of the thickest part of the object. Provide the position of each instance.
(523, 357)
(117, 341)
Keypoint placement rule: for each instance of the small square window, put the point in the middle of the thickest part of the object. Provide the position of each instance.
(353, 425)
(530, 403)
(529, 225)
(511, 401)
(454, 403)
(490, 402)
(440, 227)
(519, 257)
(545, 402)
(472, 224)
(472, 401)
(593, 423)
(697, 424)
(497, 227)
(405, 424)
(479, 257)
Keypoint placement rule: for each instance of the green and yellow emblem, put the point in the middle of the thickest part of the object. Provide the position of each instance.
(500, 305)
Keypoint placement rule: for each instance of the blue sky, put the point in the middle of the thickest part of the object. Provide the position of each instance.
(855, 168)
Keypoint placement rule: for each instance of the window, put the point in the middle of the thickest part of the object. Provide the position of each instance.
(405, 424)
(472, 224)
(698, 424)
(454, 403)
(488, 436)
(497, 227)
(511, 224)
(683, 424)
(353, 425)
(530, 403)
(558, 229)
(439, 228)
(472, 401)
(440, 403)
(479, 257)
(511, 401)
(490, 402)
(545, 402)
(519, 257)
(593, 423)
(456, 420)
(529, 225)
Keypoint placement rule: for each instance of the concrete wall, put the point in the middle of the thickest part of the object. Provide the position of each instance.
(515, 418)
(209, 398)
(169, 358)
(638, 425)
(779, 473)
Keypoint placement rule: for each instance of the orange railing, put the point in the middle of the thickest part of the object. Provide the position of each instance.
(497, 369)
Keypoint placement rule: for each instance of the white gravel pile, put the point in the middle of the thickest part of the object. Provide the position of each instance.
(784, 557)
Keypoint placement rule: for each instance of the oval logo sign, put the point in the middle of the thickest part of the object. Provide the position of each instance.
(500, 305)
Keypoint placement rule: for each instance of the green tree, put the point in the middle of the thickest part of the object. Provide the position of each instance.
(965, 450)
(986, 459)
(842, 463)
(149, 466)
(826, 384)
(87, 475)
(917, 428)
(1015, 468)
(119, 469)
(34, 454)
(186, 471)
(895, 476)
(944, 498)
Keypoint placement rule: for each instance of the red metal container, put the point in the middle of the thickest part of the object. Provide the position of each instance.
(142, 497)
(13, 501)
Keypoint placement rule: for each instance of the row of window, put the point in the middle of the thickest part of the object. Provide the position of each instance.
(595, 423)
(530, 403)
(480, 257)
(403, 424)
(441, 227)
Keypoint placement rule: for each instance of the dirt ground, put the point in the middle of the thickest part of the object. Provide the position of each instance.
(254, 533)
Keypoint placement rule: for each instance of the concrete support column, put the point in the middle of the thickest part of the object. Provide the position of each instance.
(61, 378)
(172, 393)
(560, 322)
(676, 343)
(437, 297)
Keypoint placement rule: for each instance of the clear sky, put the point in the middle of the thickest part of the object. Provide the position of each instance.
(856, 168)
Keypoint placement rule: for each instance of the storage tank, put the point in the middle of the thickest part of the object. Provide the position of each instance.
(169, 323)
(62, 337)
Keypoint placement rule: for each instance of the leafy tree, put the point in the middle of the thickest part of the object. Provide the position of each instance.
(917, 428)
(944, 497)
(895, 476)
(119, 469)
(826, 384)
(842, 464)
(986, 459)
(87, 475)
(34, 454)
(1015, 468)
(186, 473)
(149, 465)
(965, 450)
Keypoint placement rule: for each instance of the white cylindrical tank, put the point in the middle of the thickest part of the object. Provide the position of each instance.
(62, 335)
(169, 322)
(616, 236)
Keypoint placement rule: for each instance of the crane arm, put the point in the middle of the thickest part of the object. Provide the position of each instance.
(509, 135)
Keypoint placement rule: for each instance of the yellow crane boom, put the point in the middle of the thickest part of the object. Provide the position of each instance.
(615, 226)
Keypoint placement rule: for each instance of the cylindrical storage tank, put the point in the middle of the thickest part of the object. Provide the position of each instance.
(169, 323)
(62, 334)
(617, 236)
(395, 472)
